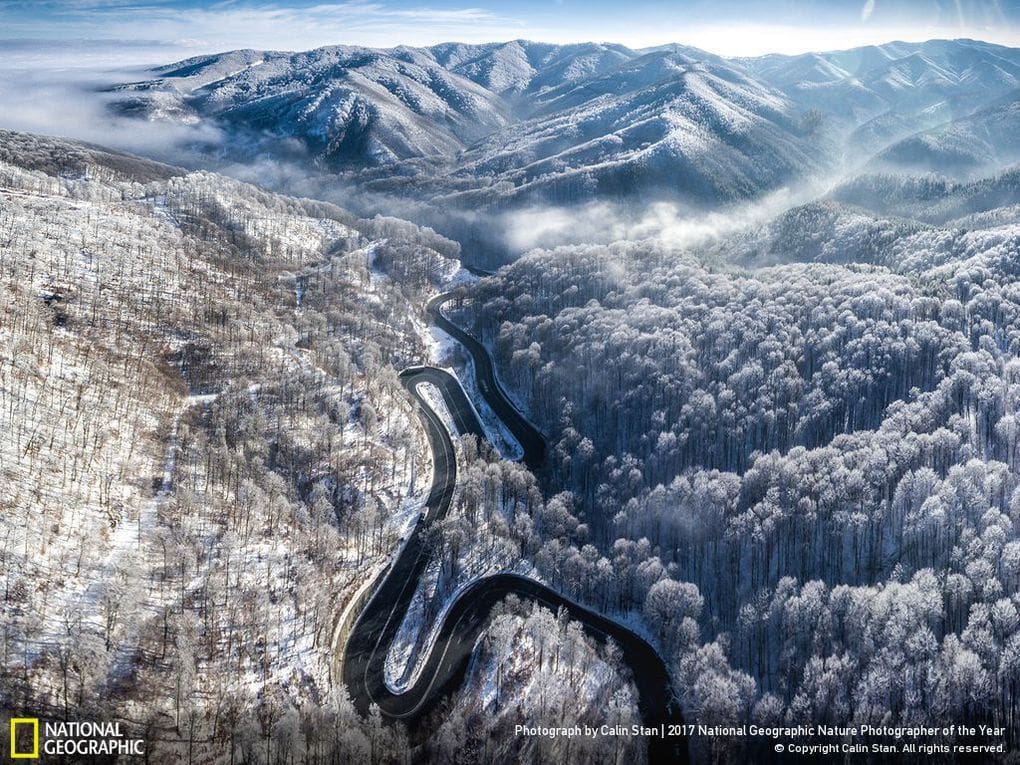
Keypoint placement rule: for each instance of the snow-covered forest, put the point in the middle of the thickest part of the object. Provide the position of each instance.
(804, 476)
(197, 470)
(532, 668)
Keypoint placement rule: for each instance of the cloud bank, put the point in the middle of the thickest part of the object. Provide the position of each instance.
(58, 89)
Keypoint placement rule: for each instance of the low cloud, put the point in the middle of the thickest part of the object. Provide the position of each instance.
(59, 89)
(670, 223)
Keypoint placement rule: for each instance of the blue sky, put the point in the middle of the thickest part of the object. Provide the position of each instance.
(730, 27)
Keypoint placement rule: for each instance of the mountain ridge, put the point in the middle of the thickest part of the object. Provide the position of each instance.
(523, 120)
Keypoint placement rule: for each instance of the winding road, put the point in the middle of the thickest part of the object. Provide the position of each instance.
(526, 434)
(444, 668)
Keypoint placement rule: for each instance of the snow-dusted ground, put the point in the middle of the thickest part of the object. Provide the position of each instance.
(122, 554)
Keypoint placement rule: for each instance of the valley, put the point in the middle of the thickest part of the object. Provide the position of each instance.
(407, 402)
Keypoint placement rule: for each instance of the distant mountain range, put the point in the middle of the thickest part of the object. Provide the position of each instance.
(524, 120)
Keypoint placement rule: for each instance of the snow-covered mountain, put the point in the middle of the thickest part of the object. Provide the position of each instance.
(885, 93)
(862, 83)
(522, 120)
(660, 122)
(523, 67)
(968, 146)
(348, 105)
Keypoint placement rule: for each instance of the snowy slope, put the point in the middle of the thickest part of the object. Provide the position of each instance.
(975, 144)
(349, 105)
(933, 199)
(155, 317)
(658, 122)
(520, 120)
(904, 77)
(522, 66)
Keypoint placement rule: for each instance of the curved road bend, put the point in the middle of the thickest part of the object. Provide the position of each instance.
(446, 664)
(527, 435)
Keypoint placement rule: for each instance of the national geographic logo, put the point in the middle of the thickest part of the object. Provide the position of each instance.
(24, 729)
(70, 738)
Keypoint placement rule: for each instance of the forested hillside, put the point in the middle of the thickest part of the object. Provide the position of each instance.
(204, 449)
(533, 668)
(804, 476)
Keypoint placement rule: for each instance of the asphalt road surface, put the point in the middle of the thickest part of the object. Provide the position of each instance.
(446, 664)
(527, 435)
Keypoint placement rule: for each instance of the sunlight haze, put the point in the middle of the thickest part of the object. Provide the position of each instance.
(731, 28)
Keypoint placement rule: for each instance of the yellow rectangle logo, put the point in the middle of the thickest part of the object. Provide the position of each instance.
(20, 721)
